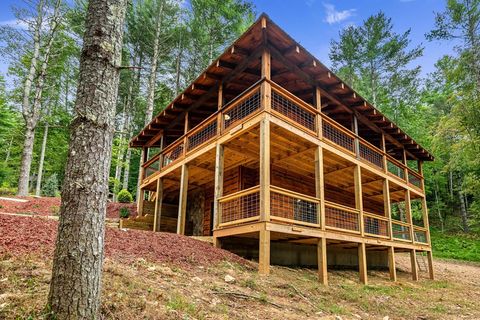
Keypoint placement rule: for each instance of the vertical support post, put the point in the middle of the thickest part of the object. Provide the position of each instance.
(266, 68)
(420, 172)
(265, 169)
(320, 186)
(408, 211)
(158, 205)
(318, 104)
(405, 170)
(218, 191)
(265, 88)
(219, 106)
(141, 193)
(160, 158)
(356, 141)
(413, 262)
(387, 206)
(431, 274)
(185, 131)
(357, 176)
(384, 156)
(264, 252)
(391, 263)
(362, 263)
(182, 202)
(322, 261)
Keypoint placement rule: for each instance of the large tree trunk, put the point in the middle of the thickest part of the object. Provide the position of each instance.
(463, 211)
(77, 266)
(27, 153)
(42, 158)
(126, 172)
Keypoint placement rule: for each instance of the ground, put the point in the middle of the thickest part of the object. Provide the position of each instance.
(166, 276)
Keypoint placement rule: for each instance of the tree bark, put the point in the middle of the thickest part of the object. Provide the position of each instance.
(42, 158)
(77, 266)
(463, 211)
(26, 163)
(126, 172)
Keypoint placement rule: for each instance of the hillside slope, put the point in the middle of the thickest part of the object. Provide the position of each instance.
(165, 276)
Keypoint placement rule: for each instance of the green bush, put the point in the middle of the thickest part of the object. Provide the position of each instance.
(7, 191)
(124, 196)
(459, 246)
(124, 213)
(50, 187)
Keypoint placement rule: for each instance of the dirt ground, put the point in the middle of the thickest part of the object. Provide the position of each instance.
(50, 206)
(182, 278)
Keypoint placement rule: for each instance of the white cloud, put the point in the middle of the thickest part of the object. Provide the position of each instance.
(14, 23)
(334, 16)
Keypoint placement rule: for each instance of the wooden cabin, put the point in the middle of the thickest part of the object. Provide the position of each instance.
(276, 158)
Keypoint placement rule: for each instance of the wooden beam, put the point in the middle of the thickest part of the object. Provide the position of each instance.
(357, 177)
(158, 205)
(320, 185)
(182, 202)
(362, 263)
(387, 206)
(264, 252)
(322, 261)
(391, 263)
(218, 188)
(265, 169)
(413, 263)
(431, 273)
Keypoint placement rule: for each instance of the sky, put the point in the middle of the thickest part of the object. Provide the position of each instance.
(314, 23)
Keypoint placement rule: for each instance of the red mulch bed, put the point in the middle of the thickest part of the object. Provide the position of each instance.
(47, 206)
(27, 235)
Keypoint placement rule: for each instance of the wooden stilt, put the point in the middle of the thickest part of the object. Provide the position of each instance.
(413, 262)
(431, 274)
(216, 242)
(264, 253)
(182, 203)
(322, 261)
(362, 263)
(391, 263)
(158, 205)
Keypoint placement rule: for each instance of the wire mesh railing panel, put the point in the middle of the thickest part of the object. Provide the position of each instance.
(152, 168)
(400, 231)
(202, 135)
(293, 208)
(241, 207)
(395, 170)
(375, 226)
(337, 136)
(342, 219)
(370, 155)
(173, 154)
(414, 180)
(293, 111)
(420, 235)
(241, 110)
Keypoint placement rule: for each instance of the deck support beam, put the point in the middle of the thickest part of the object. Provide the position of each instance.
(264, 252)
(320, 186)
(357, 176)
(182, 202)
(218, 190)
(362, 263)
(322, 261)
(265, 169)
(413, 262)
(431, 273)
(141, 192)
(158, 205)
(391, 263)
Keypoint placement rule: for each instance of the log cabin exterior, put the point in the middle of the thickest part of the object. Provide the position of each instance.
(269, 146)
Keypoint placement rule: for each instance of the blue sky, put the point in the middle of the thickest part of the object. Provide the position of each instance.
(314, 23)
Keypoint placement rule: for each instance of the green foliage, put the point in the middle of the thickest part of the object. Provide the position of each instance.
(124, 196)
(7, 191)
(50, 187)
(456, 246)
(124, 213)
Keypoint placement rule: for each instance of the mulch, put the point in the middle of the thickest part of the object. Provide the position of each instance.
(48, 206)
(36, 235)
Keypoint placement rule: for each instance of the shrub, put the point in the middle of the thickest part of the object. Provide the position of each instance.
(55, 210)
(124, 213)
(7, 191)
(124, 196)
(50, 187)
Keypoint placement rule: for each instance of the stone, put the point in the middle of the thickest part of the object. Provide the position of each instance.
(229, 279)
(197, 279)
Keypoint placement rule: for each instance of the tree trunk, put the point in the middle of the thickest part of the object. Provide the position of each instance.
(9, 150)
(463, 211)
(437, 200)
(27, 153)
(75, 287)
(126, 172)
(42, 158)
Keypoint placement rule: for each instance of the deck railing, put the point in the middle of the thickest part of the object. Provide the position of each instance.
(401, 230)
(289, 206)
(202, 133)
(239, 207)
(173, 153)
(375, 225)
(420, 234)
(305, 117)
(370, 154)
(341, 217)
(395, 168)
(340, 136)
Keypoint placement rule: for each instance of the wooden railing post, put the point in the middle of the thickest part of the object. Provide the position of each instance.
(356, 141)
(320, 186)
(158, 205)
(405, 169)
(318, 105)
(408, 210)
(265, 169)
(220, 102)
(387, 206)
(141, 192)
(420, 172)
(357, 176)
(182, 202)
(384, 155)
(218, 191)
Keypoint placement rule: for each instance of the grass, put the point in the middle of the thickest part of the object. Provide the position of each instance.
(456, 246)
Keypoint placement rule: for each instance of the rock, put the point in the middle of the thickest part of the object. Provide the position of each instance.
(229, 279)
(357, 316)
(151, 268)
(338, 318)
(386, 318)
(197, 279)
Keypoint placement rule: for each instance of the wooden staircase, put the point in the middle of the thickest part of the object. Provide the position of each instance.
(168, 221)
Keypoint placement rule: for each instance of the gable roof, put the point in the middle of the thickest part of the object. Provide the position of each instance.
(298, 71)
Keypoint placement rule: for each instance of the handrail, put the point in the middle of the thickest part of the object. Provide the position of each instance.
(373, 215)
(152, 160)
(239, 194)
(294, 194)
(293, 97)
(414, 173)
(405, 224)
(341, 206)
(243, 95)
(419, 228)
(396, 162)
(338, 126)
